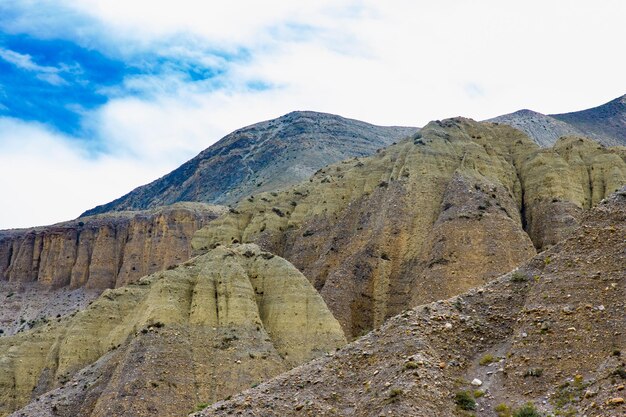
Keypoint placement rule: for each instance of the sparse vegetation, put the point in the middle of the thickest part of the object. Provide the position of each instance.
(201, 406)
(395, 392)
(502, 410)
(518, 276)
(465, 401)
(411, 365)
(487, 359)
(527, 410)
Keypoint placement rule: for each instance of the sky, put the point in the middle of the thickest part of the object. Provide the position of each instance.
(98, 97)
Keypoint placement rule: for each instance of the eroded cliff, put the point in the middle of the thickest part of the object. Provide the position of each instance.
(549, 333)
(428, 218)
(209, 328)
(102, 251)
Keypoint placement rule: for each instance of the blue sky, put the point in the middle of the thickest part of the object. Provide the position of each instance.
(98, 97)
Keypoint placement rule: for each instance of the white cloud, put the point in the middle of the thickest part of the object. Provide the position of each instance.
(47, 178)
(397, 62)
(25, 62)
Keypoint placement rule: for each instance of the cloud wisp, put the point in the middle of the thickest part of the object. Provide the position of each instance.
(148, 84)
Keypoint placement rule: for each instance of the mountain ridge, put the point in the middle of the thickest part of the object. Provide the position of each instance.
(605, 123)
(261, 157)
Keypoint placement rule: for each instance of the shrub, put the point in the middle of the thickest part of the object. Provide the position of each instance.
(487, 359)
(464, 401)
(503, 410)
(527, 410)
(395, 392)
(518, 277)
(201, 406)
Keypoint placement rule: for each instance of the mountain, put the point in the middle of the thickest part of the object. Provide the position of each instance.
(178, 338)
(450, 209)
(606, 124)
(262, 157)
(239, 295)
(550, 333)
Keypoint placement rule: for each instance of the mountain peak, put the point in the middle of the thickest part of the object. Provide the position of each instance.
(261, 157)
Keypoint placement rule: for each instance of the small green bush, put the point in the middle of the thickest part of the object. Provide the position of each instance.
(395, 392)
(464, 400)
(502, 410)
(518, 277)
(527, 410)
(201, 406)
(487, 359)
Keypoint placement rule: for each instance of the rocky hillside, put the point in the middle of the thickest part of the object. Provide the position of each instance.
(174, 341)
(543, 129)
(547, 337)
(262, 157)
(103, 251)
(606, 124)
(56, 270)
(453, 207)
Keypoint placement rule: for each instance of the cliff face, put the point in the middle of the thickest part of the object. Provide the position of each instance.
(428, 218)
(265, 156)
(207, 329)
(105, 251)
(550, 333)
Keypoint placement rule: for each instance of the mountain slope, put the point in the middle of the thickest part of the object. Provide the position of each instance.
(605, 124)
(428, 218)
(550, 333)
(265, 156)
(543, 129)
(194, 334)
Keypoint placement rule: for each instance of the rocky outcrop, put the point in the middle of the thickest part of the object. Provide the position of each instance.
(205, 330)
(543, 129)
(103, 251)
(549, 333)
(265, 156)
(605, 124)
(428, 218)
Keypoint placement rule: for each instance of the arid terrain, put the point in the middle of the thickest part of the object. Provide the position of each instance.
(464, 268)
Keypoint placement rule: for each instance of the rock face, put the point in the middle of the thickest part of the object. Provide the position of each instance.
(606, 124)
(207, 329)
(262, 157)
(549, 333)
(543, 129)
(451, 208)
(104, 251)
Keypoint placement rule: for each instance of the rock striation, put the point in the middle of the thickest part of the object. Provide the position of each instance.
(451, 208)
(265, 156)
(546, 337)
(103, 251)
(200, 332)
